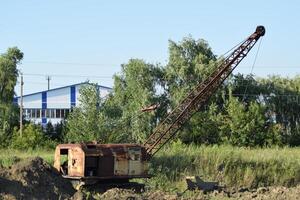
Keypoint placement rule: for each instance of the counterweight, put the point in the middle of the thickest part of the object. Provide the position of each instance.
(167, 129)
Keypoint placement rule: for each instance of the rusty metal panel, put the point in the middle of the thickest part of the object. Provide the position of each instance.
(135, 164)
(91, 165)
(57, 159)
(76, 162)
(106, 166)
(135, 167)
(91, 161)
(121, 166)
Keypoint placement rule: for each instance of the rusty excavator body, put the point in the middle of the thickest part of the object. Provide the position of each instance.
(91, 162)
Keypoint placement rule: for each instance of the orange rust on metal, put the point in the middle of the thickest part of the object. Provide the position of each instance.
(101, 161)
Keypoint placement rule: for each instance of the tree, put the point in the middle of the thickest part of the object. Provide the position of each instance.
(135, 87)
(245, 87)
(282, 101)
(8, 79)
(204, 128)
(85, 122)
(9, 73)
(244, 125)
(245, 111)
(190, 62)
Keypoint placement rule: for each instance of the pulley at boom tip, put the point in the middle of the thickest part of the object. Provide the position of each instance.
(260, 30)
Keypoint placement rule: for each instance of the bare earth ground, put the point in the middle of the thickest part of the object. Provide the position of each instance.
(259, 194)
(33, 178)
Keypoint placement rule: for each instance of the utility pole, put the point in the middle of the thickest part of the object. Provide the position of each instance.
(21, 106)
(48, 78)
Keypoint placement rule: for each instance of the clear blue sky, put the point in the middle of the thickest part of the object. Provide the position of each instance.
(92, 38)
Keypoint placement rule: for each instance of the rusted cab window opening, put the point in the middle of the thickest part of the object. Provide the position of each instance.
(91, 165)
(64, 161)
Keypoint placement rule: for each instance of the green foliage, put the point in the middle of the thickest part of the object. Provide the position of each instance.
(55, 132)
(204, 128)
(230, 166)
(49, 129)
(134, 89)
(9, 73)
(8, 79)
(9, 156)
(190, 62)
(85, 122)
(247, 125)
(283, 104)
(244, 111)
(32, 138)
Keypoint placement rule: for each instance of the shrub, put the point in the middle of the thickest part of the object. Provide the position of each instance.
(32, 137)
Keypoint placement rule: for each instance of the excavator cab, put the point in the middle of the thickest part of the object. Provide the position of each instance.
(90, 162)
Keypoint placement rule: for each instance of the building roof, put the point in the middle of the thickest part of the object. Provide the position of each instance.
(100, 86)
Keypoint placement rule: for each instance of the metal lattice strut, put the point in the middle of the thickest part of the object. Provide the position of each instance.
(167, 129)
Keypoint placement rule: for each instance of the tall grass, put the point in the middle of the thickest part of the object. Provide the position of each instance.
(10, 156)
(231, 166)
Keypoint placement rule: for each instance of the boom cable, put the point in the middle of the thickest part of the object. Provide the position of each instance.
(252, 68)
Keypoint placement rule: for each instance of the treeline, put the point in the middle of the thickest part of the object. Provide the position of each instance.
(33, 136)
(245, 111)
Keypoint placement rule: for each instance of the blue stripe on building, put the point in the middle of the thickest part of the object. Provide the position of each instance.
(15, 100)
(73, 96)
(44, 107)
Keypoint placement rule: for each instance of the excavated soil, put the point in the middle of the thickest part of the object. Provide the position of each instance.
(33, 178)
(271, 193)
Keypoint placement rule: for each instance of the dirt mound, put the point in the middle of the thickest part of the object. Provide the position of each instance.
(118, 194)
(273, 192)
(263, 193)
(33, 178)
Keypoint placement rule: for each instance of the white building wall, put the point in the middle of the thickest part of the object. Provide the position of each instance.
(36, 120)
(77, 94)
(104, 92)
(57, 104)
(32, 101)
(59, 98)
(54, 120)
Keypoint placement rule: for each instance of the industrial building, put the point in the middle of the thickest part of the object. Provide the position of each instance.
(53, 105)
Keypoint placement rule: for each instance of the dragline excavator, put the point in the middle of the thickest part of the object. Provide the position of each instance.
(92, 162)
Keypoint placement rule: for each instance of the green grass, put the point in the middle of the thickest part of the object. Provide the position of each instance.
(231, 166)
(10, 156)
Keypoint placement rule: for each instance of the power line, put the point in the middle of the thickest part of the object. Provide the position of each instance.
(68, 75)
(252, 67)
(43, 83)
(272, 66)
(267, 95)
(103, 64)
(70, 63)
(115, 64)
